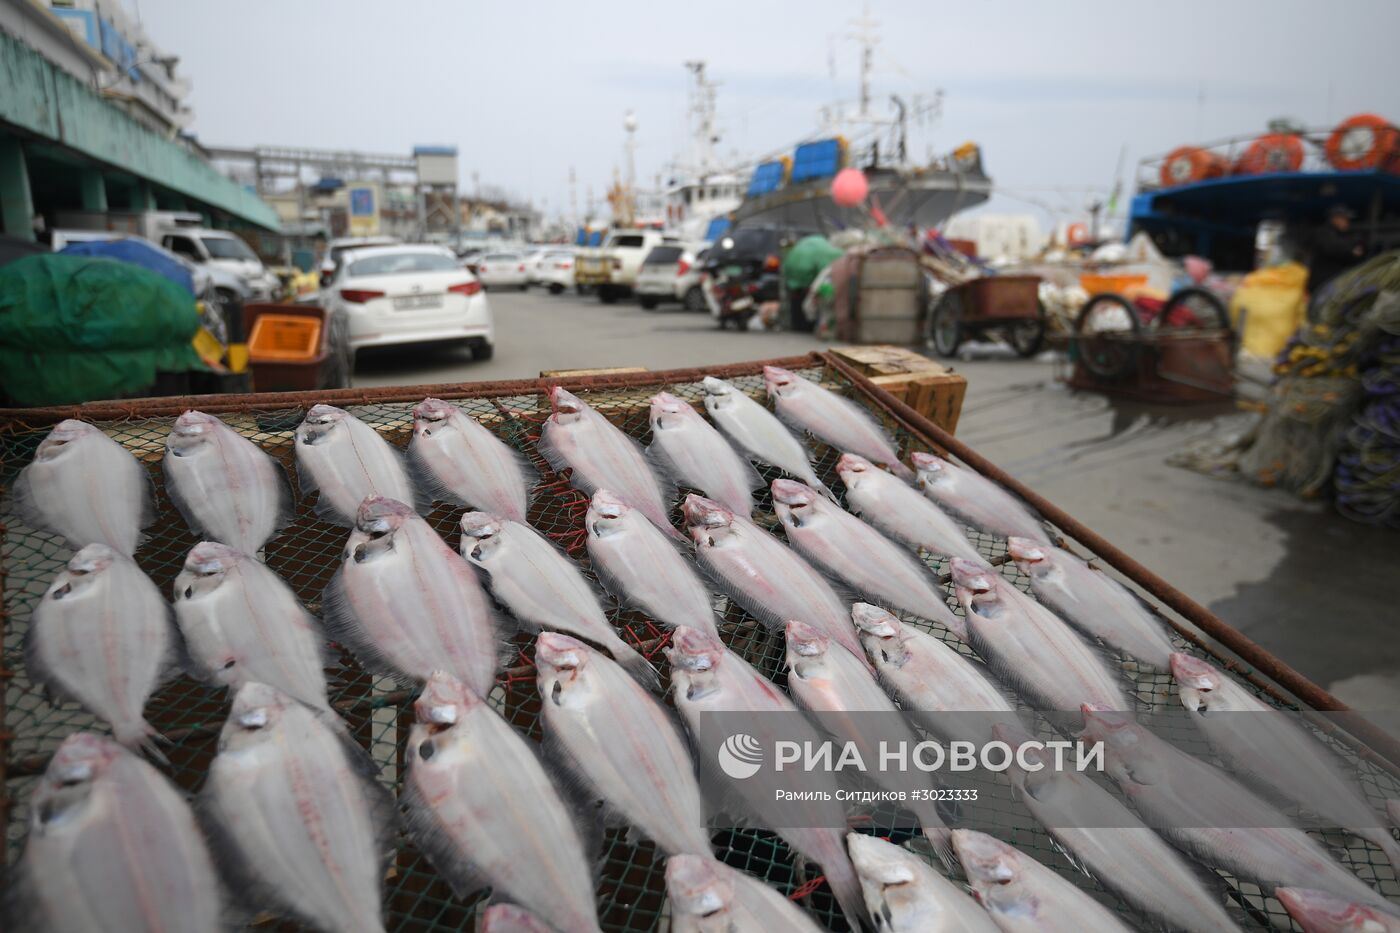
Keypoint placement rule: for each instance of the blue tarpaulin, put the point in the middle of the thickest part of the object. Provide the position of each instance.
(767, 177)
(820, 159)
(138, 253)
(718, 227)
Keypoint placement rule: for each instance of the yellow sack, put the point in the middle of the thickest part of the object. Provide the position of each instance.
(1274, 301)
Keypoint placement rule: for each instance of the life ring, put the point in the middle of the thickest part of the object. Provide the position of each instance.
(1077, 234)
(1276, 152)
(1188, 164)
(1364, 141)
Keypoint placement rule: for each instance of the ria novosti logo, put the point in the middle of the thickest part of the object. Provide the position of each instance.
(740, 756)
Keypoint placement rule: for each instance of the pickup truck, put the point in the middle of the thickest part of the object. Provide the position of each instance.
(612, 268)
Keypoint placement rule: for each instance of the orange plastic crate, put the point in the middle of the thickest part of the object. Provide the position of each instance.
(1105, 284)
(284, 337)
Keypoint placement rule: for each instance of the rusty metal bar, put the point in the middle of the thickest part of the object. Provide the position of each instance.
(1384, 745)
(171, 406)
(5, 675)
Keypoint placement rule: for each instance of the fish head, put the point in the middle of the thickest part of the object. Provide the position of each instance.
(1027, 553)
(806, 646)
(206, 566)
(68, 780)
(510, 918)
(700, 891)
(853, 468)
(990, 864)
(889, 883)
(780, 382)
(430, 415)
(320, 423)
(562, 663)
(1319, 910)
(707, 520)
(880, 633)
(928, 468)
(668, 412)
(1196, 681)
(444, 703)
(256, 712)
(480, 534)
(718, 393)
(695, 658)
(1127, 753)
(567, 407)
(606, 514)
(64, 434)
(1031, 770)
(794, 502)
(84, 571)
(191, 431)
(973, 582)
(377, 520)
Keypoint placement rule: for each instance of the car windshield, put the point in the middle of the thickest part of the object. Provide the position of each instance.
(663, 256)
(627, 241)
(400, 263)
(221, 247)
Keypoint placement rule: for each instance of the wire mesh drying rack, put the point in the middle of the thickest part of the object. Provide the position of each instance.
(631, 889)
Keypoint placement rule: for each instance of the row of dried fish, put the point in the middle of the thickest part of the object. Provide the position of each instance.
(381, 586)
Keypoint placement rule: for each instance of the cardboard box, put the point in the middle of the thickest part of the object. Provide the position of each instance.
(927, 386)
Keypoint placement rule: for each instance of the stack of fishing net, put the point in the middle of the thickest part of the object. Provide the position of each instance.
(1322, 390)
(1367, 481)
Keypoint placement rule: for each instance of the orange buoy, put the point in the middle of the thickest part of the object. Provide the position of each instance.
(1191, 163)
(1276, 152)
(1362, 142)
(1077, 234)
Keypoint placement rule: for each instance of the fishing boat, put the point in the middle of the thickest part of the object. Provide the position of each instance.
(795, 191)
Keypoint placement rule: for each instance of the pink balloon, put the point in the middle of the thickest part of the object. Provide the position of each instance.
(849, 187)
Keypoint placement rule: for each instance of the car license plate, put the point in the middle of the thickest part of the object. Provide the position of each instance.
(417, 302)
(741, 304)
(733, 271)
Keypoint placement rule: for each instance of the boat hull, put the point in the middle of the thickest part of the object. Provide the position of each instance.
(925, 199)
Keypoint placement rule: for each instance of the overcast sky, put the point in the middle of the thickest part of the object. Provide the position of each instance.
(1051, 91)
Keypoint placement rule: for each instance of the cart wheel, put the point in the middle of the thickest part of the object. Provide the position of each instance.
(1107, 357)
(945, 326)
(1192, 307)
(1026, 337)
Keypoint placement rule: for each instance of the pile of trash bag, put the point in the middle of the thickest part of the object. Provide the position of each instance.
(74, 329)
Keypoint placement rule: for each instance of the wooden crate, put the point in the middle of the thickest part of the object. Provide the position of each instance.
(927, 386)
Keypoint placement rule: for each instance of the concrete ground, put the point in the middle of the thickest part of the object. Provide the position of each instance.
(1317, 590)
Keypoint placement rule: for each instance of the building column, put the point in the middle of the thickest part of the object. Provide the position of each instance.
(16, 201)
(94, 190)
(142, 197)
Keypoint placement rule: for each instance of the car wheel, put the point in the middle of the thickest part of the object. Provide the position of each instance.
(483, 351)
(606, 294)
(647, 302)
(694, 299)
(556, 289)
(524, 286)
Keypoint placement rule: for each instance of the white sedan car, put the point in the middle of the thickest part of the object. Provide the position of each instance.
(556, 270)
(410, 294)
(502, 270)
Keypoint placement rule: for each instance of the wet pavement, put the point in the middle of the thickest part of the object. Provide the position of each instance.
(1314, 588)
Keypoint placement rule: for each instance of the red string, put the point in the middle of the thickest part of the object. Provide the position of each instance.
(807, 888)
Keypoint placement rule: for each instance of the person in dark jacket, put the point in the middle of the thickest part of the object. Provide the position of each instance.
(1335, 248)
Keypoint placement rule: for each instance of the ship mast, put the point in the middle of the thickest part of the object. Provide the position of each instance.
(864, 31)
(704, 131)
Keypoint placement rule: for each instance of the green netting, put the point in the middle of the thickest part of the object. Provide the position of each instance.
(631, 889)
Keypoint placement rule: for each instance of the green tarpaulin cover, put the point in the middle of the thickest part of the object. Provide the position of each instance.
(807, 258)
(74, 329)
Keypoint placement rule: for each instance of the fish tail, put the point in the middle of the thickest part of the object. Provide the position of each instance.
(902, 471)
(941, 838)
(142, 737)
(841, 877)
(636, 664)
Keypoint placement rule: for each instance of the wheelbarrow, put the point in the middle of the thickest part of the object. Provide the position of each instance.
(1008, 305)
